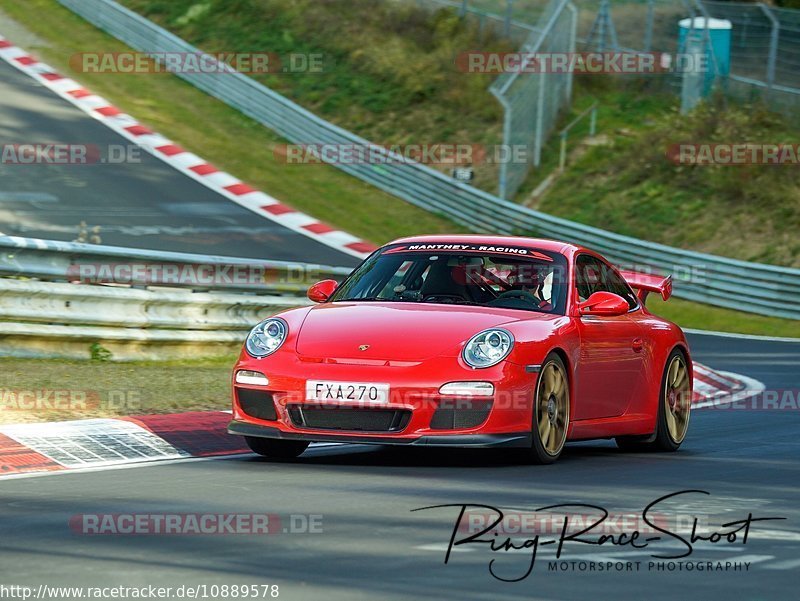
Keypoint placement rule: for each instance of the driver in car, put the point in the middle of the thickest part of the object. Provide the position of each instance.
(529, 280)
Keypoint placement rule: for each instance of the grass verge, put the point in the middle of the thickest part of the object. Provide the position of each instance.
(68, 390)
(698, 316)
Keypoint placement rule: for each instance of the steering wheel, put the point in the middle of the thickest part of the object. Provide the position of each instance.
(522, 295)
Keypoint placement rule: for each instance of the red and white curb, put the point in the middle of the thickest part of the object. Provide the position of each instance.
(119, 442)
(97, 443)
(719, 388)
(186, 162)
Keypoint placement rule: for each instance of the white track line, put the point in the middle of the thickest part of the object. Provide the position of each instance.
(740, 336)
(154, 463)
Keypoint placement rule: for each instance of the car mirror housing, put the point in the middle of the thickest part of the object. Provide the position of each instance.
(322, 291)
(604, 303)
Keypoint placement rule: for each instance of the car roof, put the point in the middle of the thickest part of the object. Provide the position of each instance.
(536, 243)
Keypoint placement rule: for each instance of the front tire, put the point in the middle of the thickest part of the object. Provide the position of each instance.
(674, 410)
(550, 412)
(279, 449)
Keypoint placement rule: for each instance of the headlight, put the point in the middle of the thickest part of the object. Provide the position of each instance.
(488, 348)
(266, 337)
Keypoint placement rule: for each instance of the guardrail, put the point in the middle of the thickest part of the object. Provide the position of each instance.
(57, 261)
(154, 305)
(745, 286)
(53, 319)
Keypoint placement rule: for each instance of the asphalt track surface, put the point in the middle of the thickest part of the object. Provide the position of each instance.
(144, 204)
(373, 547)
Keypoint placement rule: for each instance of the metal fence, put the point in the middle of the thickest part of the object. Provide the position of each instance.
(532, 101)
(152, 305)
(505, 22)
(765, 43)
(636, 24)
(765, 40)
(720, 281)
(765, 51)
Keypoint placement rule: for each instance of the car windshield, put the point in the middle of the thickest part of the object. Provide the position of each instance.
(520, 278)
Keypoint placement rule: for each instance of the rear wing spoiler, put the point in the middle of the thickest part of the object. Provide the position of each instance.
(645, 283)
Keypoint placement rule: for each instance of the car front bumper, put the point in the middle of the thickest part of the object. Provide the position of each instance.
(514, 440)
(416, 413)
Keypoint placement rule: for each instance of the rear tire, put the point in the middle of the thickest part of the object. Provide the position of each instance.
(674, 409)
(550, 415)
(280, 449)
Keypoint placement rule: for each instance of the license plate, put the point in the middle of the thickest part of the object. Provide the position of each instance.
(359, 392)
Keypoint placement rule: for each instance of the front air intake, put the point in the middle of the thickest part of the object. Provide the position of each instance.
(349, 418)
(256, 403)
(460, 414)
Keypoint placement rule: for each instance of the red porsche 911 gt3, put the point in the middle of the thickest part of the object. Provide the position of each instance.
(469, 341)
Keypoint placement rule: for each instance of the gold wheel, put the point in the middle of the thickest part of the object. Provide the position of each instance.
(552, 408)
(677, 399)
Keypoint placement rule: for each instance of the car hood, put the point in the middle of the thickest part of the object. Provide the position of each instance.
(395, 331)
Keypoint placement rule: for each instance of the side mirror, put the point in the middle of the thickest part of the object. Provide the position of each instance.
(321, 291)
(604, 303)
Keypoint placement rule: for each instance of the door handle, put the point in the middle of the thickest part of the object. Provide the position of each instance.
(637, 345)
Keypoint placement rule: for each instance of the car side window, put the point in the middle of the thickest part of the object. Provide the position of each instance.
(619, 286)
(588, 277)
(593, 275)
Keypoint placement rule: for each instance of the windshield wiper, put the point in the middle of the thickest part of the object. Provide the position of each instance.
(365, 299)
(455, 301)
(402, 299)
